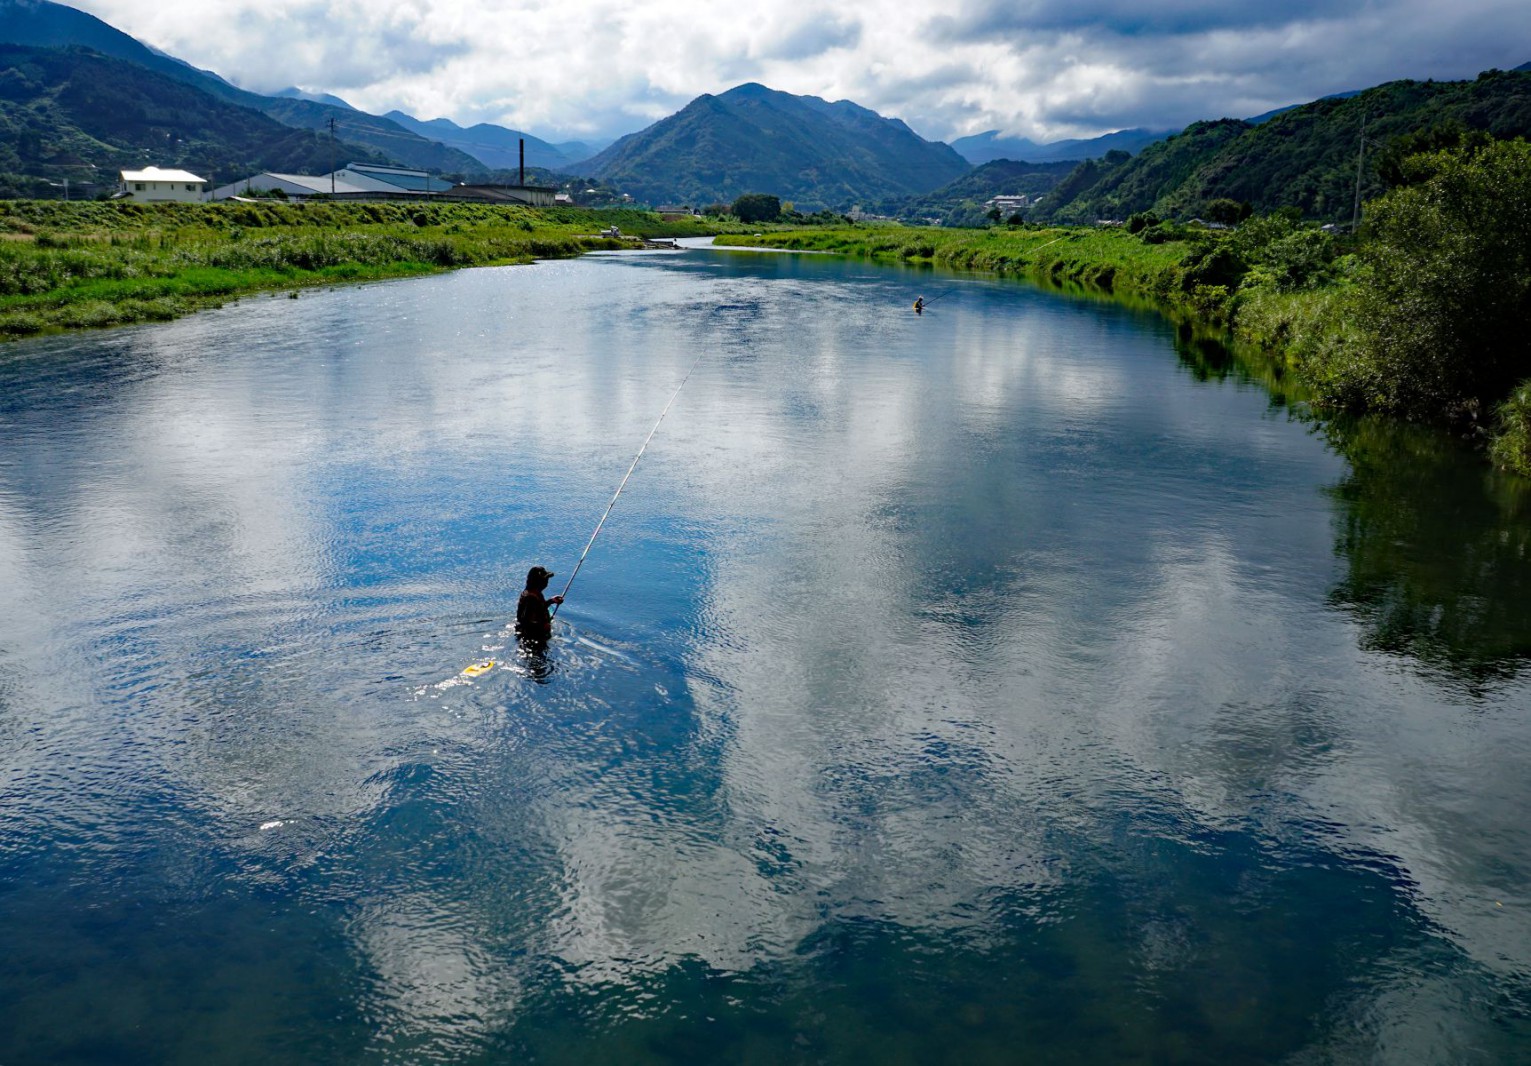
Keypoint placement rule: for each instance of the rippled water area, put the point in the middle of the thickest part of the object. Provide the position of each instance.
(1004, 684)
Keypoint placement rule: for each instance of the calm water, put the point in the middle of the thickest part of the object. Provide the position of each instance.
(997, 685)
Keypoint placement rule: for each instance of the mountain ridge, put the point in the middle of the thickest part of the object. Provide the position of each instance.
(752, 138)
(78, 113)
(1304, 157)
(44, 24)
(497, 147)
(986, 147)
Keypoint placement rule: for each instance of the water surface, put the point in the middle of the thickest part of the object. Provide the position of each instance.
(999, 684)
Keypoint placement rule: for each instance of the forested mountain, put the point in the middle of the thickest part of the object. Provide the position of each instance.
(800, 148)
(1305, 158)
(43, 24)
(989, 146)
(961, 202)
(61, 109)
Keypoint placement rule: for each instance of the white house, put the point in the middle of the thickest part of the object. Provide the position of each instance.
(152, 183)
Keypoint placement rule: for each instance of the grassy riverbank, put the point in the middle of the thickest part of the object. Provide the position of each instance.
(72, 265)
(1176, 274)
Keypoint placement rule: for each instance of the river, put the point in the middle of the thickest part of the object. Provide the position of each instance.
(1012, 682)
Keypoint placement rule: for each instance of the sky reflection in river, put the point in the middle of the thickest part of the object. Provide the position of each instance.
(950, 687)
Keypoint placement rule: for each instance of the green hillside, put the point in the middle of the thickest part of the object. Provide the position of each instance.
(960, 203)
(40, 23)
(800, 148)
(61, 109)
(1304, 158)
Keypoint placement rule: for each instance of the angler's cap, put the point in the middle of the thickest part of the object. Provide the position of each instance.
(538, 574)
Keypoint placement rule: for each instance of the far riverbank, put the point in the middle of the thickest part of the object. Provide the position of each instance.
(93, 264)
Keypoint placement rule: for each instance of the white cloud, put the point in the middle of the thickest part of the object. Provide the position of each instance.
(1041, 68)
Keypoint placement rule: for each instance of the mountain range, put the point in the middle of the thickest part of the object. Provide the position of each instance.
(72, 113)
(75, 92)
(439, 146)
(717, 147)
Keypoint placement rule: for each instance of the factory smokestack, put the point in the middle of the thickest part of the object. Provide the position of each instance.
(522, 141)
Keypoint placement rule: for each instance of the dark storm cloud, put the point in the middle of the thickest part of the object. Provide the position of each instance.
(987, 20)
(1096, 65)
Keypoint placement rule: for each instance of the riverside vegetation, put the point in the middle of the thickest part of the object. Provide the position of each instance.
(70, 265)
(1421, 316)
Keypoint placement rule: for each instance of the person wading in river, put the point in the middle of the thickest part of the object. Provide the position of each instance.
(534, 622)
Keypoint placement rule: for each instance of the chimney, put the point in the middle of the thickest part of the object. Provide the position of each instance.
(522, 141)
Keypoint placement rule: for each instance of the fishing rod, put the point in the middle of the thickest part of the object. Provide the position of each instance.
(944, 292)
(599, 525)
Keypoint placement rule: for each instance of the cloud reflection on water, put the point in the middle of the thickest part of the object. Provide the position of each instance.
(965, 632)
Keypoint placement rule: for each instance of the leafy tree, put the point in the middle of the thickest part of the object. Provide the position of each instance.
(1226, 212)
(1443, 311)
(1285, 254)
(1394, 161)
(1141, 220)
(757, 207)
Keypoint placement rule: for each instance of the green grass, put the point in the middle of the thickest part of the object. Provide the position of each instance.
(1109, 261)
(92, 264)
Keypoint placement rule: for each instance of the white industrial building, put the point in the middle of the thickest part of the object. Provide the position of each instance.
(152, 183)
(368, 181)
(375, 178)
(296, 186)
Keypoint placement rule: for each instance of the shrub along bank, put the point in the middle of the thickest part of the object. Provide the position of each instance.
(66, 265)
(1423, 317)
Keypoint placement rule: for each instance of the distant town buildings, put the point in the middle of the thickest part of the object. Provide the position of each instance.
(152, 183)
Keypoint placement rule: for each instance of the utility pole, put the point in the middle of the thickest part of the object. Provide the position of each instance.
(1355, 214)
(332, 155)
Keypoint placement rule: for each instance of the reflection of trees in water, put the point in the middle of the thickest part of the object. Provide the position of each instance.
(1438, 547)
(1209, 357)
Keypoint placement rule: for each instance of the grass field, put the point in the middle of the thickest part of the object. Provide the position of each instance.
(89, 264)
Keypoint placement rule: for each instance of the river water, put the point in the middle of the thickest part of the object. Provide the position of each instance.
(1015, 682)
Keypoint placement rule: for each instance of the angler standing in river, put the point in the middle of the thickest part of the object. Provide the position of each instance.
(534, 621)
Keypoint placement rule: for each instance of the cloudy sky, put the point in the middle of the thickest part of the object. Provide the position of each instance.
(1044, 69)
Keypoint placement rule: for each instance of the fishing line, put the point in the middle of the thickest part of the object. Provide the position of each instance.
(1039, 247)
(599, 525)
